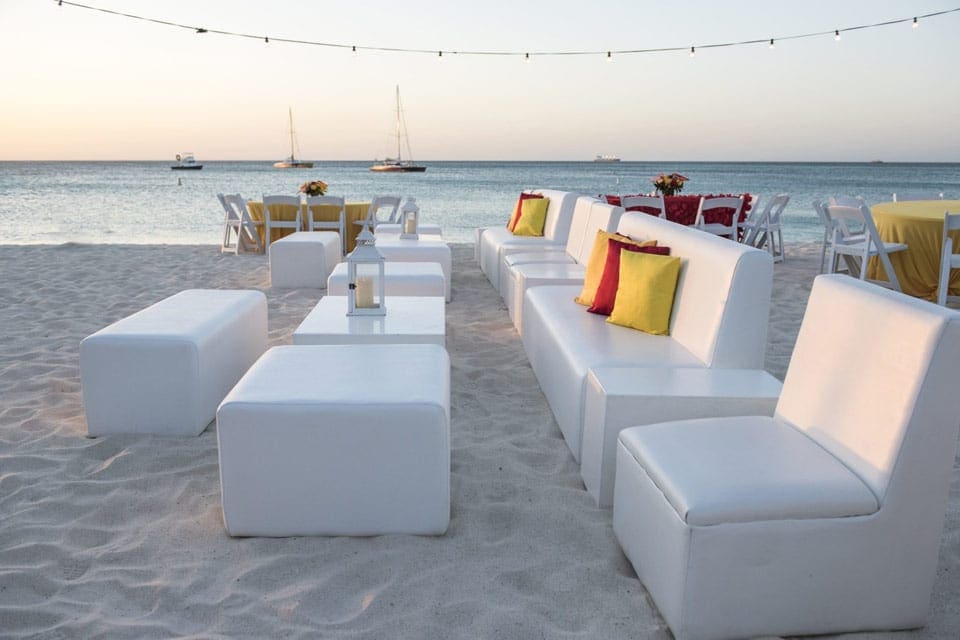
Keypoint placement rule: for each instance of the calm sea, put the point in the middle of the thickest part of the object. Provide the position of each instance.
(146, 202)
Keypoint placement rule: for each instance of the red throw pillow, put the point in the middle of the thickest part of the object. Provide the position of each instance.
(511, 225)
(607, 291)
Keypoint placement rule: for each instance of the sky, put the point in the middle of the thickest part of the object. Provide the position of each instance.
(82, 85)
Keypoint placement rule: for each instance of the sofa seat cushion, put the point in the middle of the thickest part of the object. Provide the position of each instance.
(745, 469)
(496, 240)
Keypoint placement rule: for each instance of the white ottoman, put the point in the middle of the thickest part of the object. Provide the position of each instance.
(400, 279)
(303, 259)
(165, 369)
(338, 440)
(395, 249)
(620, 397)
(393, 229)
(409, 320)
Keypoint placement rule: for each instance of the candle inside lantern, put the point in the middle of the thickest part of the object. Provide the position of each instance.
(409, 225)
(365, 293)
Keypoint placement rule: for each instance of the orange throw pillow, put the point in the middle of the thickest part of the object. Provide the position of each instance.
(607, 291)
(512, 223)
(598, 260)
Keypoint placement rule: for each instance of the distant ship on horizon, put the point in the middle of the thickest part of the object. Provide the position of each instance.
(605, 158)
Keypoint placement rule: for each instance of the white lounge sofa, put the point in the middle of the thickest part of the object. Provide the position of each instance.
(492, 240)
(516, 276)
(825, 517)
(719, 320)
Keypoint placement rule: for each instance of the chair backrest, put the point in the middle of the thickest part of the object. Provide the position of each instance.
(821, 211)
(325, 201)
(556, 226)
(723, 202)
(776, 207)
(654, 205)
(877, 389)
(231, 212)
(722, 303)
(247, 233)
(603, 217)
(951, 222)
(378, 203)
(906, 196)
(578, 225)
(269, 201)
(852, 224)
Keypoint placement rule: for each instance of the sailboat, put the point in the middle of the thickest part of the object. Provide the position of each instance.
(398, 164)
(292, 162)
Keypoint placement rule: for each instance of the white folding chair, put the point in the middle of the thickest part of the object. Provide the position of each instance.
(906, 196)
(855, 252)
(647, 202)
(718, 228)
(338, 225)
(765, 230)
(270, 219)
(948, 259)
(237, 222)
(379, 203)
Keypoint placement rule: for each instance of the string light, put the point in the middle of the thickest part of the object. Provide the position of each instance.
(266, 39)
(609, 57)
(354, 48)
(439, 54)
(693, 52)
(772, 46)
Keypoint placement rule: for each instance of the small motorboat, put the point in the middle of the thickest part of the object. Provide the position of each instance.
(186, 161)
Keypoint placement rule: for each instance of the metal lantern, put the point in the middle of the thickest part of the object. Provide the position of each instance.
(409, 220)
(365, 278)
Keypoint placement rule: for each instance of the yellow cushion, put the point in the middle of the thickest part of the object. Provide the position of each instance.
(598, 260)
(533, 214)
(645, 293)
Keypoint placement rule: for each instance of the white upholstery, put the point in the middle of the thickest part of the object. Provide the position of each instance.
(621, 397)
(719, 320)
(556, 229)
(303, 259)
(399, 279)
(824, 518)
(423, 229)
(515, 279)
(409, 320)
(302, 453)
(164, 370)
(397, 249)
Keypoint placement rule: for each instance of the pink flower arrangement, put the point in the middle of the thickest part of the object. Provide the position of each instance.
(669, 184)
(314, 188)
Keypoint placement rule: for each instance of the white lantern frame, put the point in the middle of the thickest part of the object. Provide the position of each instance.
(365, 278)
(410, 220)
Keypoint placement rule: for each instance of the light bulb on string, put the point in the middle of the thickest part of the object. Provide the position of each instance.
(439, 54)
(836, 35)
(266, 40)
(609, 57)
(915, 23)
(693, 52)
(354, 49)
(527, 57)
(772, 45)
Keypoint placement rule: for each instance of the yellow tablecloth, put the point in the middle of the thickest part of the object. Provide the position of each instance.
(919, 225)
(355, 211)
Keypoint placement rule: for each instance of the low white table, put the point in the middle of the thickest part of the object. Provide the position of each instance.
(409, 320)
(622, 397)
(400, 279)
(395, 249)
(393, 228)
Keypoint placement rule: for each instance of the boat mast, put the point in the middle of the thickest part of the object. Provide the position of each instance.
(398, 123)
(290, 113)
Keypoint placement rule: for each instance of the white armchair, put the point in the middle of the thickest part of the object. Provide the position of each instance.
(827, 516)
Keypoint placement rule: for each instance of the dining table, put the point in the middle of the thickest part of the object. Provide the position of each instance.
(355, 211)
(919, 225)
(683, 209)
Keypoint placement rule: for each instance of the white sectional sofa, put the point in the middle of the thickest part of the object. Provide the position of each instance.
(719, 321)
(519, 274)
(492, 240)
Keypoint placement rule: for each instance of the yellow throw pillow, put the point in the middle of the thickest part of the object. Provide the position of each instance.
(598, 260)
(533, 215)
(645, 293)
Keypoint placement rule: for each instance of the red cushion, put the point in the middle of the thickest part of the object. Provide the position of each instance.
(610, 280)
(511, 225)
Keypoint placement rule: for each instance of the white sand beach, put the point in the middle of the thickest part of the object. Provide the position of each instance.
(123, 537)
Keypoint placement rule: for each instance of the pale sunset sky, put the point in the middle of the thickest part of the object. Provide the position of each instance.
(82, 85)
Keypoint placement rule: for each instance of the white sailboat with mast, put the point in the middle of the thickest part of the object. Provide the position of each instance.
(398, 164)
(291, 162)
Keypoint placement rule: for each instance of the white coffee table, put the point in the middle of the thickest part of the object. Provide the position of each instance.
(400, 279)
(409, 320)
(397, 249)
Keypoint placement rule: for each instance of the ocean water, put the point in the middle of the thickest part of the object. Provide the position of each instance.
(147, 203)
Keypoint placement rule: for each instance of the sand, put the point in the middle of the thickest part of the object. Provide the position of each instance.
(122, 537)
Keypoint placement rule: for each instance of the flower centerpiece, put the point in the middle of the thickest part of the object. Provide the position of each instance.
(669, 184)
(314, 188)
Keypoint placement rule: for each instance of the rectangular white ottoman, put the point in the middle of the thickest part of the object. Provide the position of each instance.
(620, 397)
(400, 279)
(393, 229)
(394, 249)
(165, 369)
(409, 320)
(338, 440)
(304, 259)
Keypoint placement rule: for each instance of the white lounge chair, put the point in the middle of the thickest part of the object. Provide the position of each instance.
(272, 222)
(857, 248)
